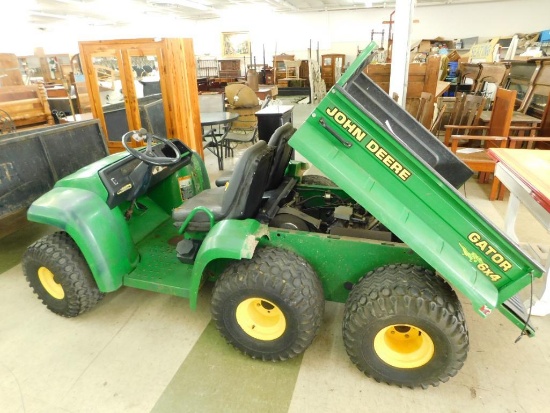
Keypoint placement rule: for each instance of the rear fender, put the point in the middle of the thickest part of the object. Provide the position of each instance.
(101, 233)
(232, 239)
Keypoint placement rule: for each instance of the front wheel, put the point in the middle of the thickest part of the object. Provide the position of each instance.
(404, 325)
(269, 307)
(58, 273)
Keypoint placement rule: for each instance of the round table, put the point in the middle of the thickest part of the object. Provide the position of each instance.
(216, 135)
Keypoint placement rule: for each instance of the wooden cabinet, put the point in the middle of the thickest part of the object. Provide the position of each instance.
(332, 67)
(270, 118)
(170, 62)
(230, 68)
(268, 73)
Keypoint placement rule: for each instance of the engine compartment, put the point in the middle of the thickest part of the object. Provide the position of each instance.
(328, 210)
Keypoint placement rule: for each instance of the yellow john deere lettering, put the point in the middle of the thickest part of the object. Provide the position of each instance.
(388, 160)
(342, 119)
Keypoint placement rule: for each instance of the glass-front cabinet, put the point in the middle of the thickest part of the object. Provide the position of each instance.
(132, 86)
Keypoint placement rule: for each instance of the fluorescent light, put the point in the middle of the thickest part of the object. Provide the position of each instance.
(44, 14)
(180, 3)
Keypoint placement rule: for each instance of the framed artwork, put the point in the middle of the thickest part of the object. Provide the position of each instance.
(235, 44)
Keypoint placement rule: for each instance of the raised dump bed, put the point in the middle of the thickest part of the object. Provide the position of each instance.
(396, 169)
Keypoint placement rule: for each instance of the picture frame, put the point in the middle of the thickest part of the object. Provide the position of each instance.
(235, 44)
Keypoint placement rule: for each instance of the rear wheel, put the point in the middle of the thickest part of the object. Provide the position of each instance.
(404, 325)
(269, 307)
(58, 273)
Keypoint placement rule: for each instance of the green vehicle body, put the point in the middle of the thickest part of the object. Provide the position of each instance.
(438, 227)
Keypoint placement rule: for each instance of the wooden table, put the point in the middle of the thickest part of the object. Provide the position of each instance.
(518, 119)
(525, 173)
(222, 119)
(441, 88)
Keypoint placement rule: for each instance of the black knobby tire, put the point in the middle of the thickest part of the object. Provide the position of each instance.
(404, 325)
(316, 180)
(58, 273)
(269, 307)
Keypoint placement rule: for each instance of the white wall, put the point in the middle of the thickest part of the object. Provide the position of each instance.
(338, 32)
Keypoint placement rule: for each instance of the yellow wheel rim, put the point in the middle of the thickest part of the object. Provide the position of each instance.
(46, 277)
(261, 319)
(404, 346)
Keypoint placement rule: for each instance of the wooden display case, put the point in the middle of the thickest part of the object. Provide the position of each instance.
(332, 67)
(170, 61)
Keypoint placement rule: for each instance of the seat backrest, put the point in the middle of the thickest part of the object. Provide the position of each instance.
(248, 182)
(282, 154)
(467, 109)
(425, 109)
(501, 115)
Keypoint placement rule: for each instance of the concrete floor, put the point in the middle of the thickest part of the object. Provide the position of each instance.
(139, 351)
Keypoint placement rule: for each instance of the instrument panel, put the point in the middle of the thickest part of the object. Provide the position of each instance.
(119, 181)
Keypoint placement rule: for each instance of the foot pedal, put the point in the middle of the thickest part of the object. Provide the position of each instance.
(187, 250)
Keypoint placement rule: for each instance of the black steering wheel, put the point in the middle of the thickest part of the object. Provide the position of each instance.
(148, 155)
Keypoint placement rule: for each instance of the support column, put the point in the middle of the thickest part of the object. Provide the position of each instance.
(401, 50)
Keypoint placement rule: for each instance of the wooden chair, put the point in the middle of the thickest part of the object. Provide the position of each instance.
(425, 109)
(434, 129)
(292, 69)
(538, 136)
(496, 135)
(465, 114)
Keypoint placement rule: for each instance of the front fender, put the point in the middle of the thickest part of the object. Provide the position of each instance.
(234, 239)
(101, 233)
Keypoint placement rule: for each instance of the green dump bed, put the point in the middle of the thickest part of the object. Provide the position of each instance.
(396, 169)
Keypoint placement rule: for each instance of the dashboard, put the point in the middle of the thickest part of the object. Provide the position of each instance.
(117, 177)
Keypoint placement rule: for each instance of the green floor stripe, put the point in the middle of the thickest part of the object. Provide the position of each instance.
(217, 378)
(13, 246)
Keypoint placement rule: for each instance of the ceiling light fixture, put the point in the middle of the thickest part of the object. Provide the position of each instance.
(179, 3)
(44, 14)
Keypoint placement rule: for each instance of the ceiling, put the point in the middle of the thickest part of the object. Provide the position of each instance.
(44, 13)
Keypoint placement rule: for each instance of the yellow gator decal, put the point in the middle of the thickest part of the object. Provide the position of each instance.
(488, 251)
(374, 147)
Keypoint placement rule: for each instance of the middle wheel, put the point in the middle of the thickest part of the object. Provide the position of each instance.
(269, 307)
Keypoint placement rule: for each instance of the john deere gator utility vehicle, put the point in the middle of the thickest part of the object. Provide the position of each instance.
(387, 233)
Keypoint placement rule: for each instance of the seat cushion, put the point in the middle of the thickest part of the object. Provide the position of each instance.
(211, 199)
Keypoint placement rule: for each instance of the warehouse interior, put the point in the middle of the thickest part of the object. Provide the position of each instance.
(224, 78)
